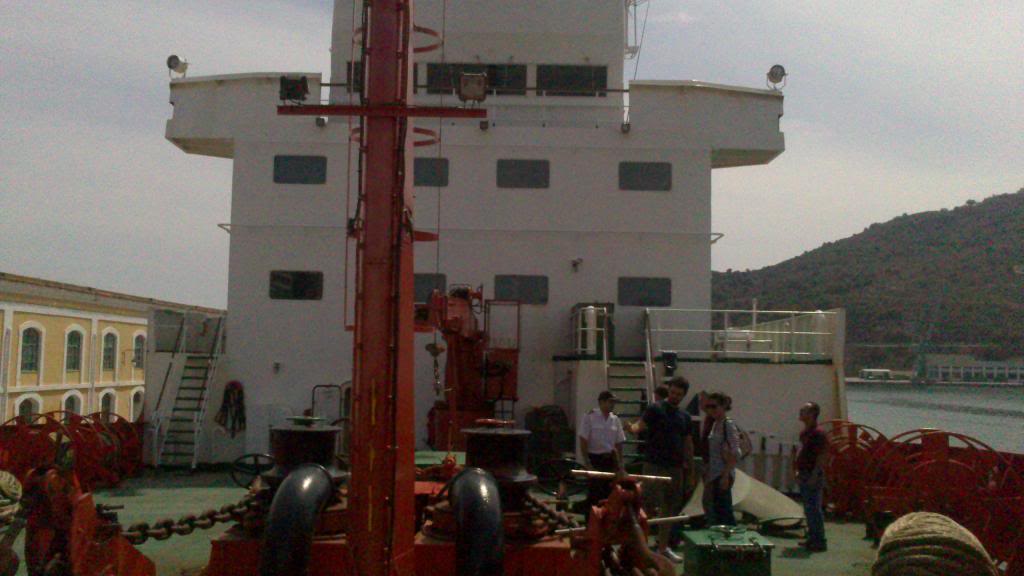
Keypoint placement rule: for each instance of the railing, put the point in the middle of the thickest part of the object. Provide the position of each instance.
(766, 335)
(216, 347)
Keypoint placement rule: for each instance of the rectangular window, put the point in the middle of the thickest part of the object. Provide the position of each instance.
(524, 174)
(354, 80)
(292, 285)
(525, 289)
(300, 169)
(74, 352)
(651, 176)
(430, 172)
(424, 284)
(572, 80)
(645, 291)
(502, 79)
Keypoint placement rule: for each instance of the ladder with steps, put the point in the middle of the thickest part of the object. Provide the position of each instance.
(185, 423)
(627, 379)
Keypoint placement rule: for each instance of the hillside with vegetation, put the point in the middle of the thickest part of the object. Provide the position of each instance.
(949, 281)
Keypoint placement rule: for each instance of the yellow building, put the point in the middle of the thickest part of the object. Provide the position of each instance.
(73, 348)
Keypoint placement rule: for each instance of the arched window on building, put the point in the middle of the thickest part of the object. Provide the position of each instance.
(28, 407)
(73, 404)
(139, 356)
(109, 351)
(73, 352)
(138, 402)
(108, 403)
(31, 347)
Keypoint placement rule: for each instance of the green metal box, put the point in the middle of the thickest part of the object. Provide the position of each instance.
(713, 552)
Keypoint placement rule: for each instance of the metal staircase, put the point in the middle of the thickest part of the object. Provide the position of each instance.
(627, 379)
(184, 424)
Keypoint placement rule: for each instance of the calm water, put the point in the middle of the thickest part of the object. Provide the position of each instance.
(993, 415)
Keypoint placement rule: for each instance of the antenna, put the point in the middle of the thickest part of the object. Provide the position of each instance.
(776, 76)
(175, 64)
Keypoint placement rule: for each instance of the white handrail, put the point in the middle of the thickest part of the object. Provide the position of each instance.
(649, 357)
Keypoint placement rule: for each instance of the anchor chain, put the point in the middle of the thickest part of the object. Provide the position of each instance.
(140, 532)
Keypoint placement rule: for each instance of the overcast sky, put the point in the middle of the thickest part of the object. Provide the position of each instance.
(891, 107)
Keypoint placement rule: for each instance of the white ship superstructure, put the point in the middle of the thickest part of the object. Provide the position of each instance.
(574, 190)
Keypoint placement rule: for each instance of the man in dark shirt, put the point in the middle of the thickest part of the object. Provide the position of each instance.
(668, 451)
(810, 475)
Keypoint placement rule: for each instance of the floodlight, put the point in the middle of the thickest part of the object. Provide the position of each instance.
(473, 87)
(175, 64)
(777, 75)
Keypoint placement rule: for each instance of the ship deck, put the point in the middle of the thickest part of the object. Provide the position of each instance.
(157, 495)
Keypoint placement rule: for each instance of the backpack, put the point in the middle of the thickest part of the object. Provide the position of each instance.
(743, 443)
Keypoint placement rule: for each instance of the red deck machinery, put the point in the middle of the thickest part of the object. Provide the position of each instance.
(482, 362)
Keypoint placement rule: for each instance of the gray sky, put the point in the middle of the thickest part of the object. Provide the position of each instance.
(891, 107)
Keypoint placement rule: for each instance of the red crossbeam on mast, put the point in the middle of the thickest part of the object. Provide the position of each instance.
(381, 509)
(389, 111)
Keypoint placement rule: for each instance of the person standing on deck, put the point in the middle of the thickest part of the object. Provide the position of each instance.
(720, 469)
(601, 437)
(810, 476)
(668, 452)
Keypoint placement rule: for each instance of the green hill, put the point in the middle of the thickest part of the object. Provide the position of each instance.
(951, 278)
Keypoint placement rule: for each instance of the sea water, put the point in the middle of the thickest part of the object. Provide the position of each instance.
(994, 416)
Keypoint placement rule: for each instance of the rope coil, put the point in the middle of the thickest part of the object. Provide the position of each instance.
(931, 544)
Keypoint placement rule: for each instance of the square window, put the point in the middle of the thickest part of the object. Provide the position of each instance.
(645, 176)
(524, 174)
(425, 284)
(292, 285)
(645, 291)
(430, 172)
(300, 169)
(521, 288)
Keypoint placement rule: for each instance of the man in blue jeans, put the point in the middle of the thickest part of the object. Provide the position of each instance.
(810, 475)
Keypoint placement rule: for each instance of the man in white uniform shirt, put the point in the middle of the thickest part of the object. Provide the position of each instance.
(601, 437)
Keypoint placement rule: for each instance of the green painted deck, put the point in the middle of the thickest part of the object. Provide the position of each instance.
(170, 495)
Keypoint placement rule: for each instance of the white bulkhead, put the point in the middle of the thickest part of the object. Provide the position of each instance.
(575, 191)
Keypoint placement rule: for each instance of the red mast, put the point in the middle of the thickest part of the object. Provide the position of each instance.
(380, 506)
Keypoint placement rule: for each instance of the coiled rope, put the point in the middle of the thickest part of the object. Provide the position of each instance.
(928, 544)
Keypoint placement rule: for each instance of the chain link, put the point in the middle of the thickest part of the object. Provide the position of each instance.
(140, 532)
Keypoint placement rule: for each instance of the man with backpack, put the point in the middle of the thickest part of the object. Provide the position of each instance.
(724, 452)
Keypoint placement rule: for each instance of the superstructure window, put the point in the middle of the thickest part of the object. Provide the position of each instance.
(430, 172)
(524, 174)
(109, 351)
(425, 284)
(300, 169)
(554, 80)
(502, 79)
(294, 285)
(645, 291)
(354, 77)
(645, 176)
(31, 345)
(73, 352)
(521, 288)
